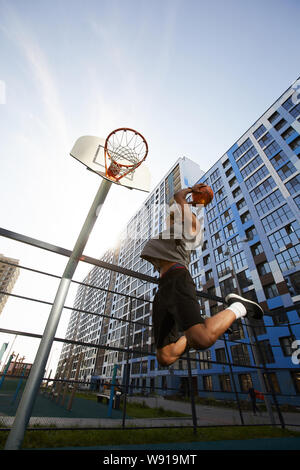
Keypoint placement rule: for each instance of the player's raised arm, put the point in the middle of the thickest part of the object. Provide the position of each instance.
(190, 220)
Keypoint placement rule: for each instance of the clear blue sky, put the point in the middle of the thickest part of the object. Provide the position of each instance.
(191, 75)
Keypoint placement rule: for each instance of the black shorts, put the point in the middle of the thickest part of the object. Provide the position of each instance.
(175, 307)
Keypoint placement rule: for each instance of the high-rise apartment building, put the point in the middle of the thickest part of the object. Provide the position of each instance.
(251, 246)
(89, 327)
(8, 276)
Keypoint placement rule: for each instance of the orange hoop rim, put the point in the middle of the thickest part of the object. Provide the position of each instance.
(121, 165)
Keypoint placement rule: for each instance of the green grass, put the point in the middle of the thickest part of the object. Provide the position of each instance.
(141, 410)
(76, 438)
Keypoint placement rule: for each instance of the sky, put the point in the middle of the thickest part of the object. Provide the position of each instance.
(192, 76)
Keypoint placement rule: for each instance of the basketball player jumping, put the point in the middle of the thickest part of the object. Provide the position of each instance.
(177, 321)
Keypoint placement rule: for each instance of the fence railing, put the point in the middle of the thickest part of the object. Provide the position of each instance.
(66, 401)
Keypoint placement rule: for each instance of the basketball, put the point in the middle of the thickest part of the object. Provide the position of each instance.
(204, 195)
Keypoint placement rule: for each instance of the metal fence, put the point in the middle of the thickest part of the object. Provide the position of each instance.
(66, 402)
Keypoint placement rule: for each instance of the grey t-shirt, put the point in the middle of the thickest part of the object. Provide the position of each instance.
(172, 245)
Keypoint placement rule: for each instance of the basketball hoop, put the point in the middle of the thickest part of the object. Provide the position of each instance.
(124, 151)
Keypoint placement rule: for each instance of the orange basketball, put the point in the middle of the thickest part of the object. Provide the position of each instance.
(203, 196)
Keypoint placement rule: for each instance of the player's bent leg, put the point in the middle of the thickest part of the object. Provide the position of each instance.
(171, 352)
(204, 335)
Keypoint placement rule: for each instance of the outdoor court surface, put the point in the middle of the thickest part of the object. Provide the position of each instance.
(289, 443)
(46, 407)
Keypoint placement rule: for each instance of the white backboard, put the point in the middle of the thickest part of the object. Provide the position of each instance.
(89, 150)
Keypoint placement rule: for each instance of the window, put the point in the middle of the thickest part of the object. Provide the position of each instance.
(256, 249)
(245, 217)
(295, 111)
(257, 161)
(262, 189)
(223, 268)
(245, 382)
(278, 159)
(271, 149)
(246, 157)
(225, 163)
(226, 216)
(293, 283)
(225, 383)
(221, 355)
(144, 367)
(213, 226)
(204, 360)
(229, 172)
(230, 229)
(242, 148)
(244, 279)
(223, 204)
(239, 260)
(217, 184)
(237, 331)
(226, 286)
(234, 244)
(265, 140)
(251, 232)
(259, 131)
(232, 181)
(240, 354)
(274, 117)
(219, 253)
(288, 234)
(297, 201)
(286, 170)
(269, 202)
(215, 175)
(295, 143)
(256, 177)
(271, 291)
(271, 382)
(296, 379)
(286, 134)
(206, 260)
(211, 214)
(289, 258)
(265, 352)
(263, 268)
(241, 203)
(288, 104)
(286, 345)
(208, 275)
(276, 218)
(216, 239)
(237, 192)
(207, 383)
(293, 186)
(280, 124)
(219, 194)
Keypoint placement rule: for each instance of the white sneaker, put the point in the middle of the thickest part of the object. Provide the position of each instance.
(253, 309)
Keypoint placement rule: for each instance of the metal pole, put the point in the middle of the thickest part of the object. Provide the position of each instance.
(127, 366)
(190, 378)
(16, 435)
(233, 382)
(6, 369)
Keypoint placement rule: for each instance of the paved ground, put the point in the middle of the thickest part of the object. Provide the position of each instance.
(206, 416)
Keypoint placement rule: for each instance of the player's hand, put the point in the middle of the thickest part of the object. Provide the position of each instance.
(196, 187)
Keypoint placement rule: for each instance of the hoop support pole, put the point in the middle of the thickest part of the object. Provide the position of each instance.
(17, 432)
